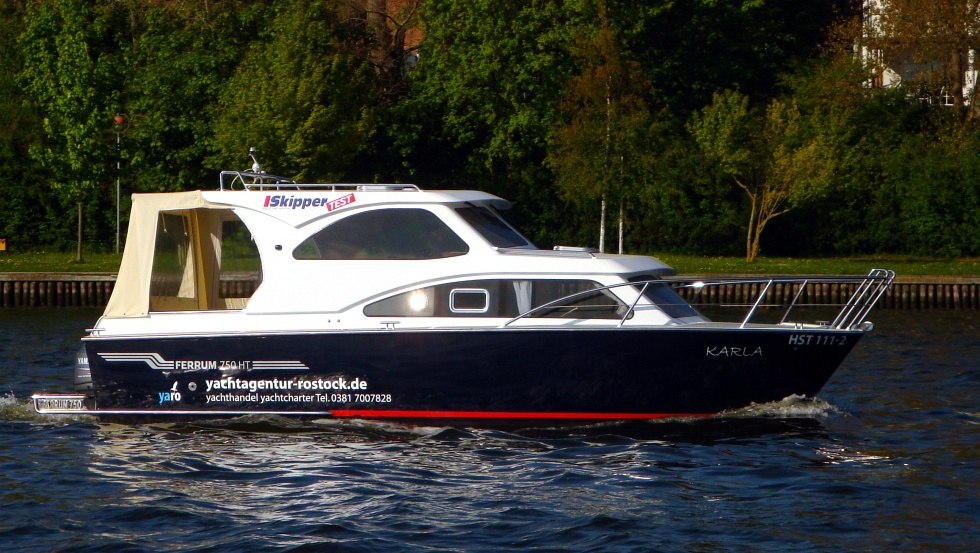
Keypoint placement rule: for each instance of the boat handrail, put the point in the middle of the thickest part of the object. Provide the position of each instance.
(249, 180)
(255, 178)
(853, 313)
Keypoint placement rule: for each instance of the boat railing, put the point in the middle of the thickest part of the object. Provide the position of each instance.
(249, 180)
(787, 294)
(257, 179)
(857, 296)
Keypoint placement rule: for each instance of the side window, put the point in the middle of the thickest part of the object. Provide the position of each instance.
(469, 300)
(502, 298)
(384, 234)
(598, 304)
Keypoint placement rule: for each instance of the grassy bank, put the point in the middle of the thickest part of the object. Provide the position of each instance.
(902, 265)
(60, 262)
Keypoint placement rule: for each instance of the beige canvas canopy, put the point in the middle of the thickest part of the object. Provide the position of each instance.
(172, 255)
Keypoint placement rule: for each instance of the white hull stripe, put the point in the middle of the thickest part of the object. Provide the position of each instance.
(280, 365)
(152, 359)
(157, 362)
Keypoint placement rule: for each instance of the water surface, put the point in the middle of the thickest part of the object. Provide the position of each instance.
(887, 459)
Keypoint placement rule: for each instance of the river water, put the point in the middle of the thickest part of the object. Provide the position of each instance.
(887, 459)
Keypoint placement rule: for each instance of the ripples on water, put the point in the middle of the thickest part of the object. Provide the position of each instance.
(887, 460)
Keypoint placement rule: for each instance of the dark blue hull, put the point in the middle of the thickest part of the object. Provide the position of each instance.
(500, 374)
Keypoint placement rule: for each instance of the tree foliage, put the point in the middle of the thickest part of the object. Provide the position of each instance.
(555, 104)
(929, 43)
(178, 58)
(300, 96)
(66, 72)
(764, 153)
(599, 148)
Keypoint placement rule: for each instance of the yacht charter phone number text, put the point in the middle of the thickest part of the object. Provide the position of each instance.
(359, 398)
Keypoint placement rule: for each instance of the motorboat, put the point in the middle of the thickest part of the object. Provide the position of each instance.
(267, 296)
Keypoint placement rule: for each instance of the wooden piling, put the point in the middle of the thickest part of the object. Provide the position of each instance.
(922, 293)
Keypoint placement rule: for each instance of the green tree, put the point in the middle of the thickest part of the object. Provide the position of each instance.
(599, 151)
(71, 80)
(178, 57)
(484, 98)
(302, 96)
(766, 155)
(18, 127)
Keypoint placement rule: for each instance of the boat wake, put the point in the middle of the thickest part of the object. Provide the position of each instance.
(791, 407)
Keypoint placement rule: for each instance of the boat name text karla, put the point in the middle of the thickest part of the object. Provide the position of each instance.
(733, 351)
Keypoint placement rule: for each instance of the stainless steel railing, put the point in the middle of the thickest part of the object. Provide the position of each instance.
(867, 290)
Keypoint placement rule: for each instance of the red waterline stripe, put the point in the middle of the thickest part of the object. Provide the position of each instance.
(371, 413)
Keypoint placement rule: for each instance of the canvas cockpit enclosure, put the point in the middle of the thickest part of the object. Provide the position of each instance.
(173, 256)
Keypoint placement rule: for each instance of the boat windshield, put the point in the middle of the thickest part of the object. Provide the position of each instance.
(492, 227)
(669, 301)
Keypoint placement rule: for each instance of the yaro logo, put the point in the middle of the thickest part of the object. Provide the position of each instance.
(172, 396)
(283, 201)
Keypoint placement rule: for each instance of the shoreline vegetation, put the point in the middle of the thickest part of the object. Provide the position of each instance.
(790, 138)
(904, 266)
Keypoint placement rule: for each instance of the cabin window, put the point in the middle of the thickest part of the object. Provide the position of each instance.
(502, 298)
(666, 298)
(384, 234)
(469, 300)
(597, 304)
(492, 227)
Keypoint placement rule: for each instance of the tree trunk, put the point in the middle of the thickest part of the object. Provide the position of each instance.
(602, 226)
(78, 247)
(754, 244)
(959, 77)
(750, 234)
(621, 226)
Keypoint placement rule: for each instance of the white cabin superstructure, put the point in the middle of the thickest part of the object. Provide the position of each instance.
(359, 257)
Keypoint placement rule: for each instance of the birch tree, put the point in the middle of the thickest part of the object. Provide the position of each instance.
(598, 150)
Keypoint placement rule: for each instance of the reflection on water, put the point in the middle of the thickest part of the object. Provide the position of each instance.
(885, 459)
